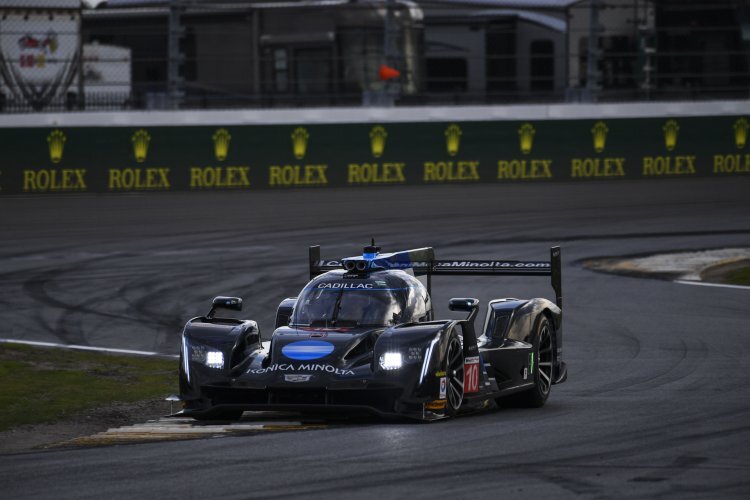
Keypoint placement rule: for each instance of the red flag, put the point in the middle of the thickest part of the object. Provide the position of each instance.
(388, 73)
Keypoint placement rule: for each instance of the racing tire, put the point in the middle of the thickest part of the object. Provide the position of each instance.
(455, 374)
(542, 369)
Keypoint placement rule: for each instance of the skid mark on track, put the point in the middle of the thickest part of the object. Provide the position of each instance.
(682, 362)
(681, 465)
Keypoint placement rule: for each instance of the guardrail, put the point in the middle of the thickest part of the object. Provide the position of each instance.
(199, 150)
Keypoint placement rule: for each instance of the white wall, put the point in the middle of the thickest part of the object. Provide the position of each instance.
(377, 115)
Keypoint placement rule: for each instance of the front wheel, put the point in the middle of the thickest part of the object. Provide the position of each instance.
(454, 372)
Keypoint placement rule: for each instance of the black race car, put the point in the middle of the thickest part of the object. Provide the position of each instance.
(361, 337)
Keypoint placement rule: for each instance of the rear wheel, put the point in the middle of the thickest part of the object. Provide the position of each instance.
(454, 372)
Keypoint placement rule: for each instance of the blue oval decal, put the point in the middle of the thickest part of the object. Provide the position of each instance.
(307, 349)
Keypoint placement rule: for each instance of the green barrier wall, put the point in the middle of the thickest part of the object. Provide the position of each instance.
(161, 158)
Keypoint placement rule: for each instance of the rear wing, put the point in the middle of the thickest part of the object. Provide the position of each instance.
(460, 267)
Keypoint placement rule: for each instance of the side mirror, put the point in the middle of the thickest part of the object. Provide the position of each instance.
(467, 305)
(470, 306)
(231, 303)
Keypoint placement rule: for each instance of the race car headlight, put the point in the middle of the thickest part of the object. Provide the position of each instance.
(215, 359)
(209, 357)
(390, 360)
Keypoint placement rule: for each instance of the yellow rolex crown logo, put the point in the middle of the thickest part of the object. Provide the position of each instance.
(452, 139)
(221, 140)
(526, 137)
(299, 142)
(377, 140)
(670, 134)
(56, 143)
(140, 145)
(599, 133)
(740, 133)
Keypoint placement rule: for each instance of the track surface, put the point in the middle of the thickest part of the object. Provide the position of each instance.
(656, 404)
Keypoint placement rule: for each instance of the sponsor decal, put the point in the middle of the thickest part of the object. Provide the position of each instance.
(140, 140)
(740, 132)
(440, 374)
(586, 168)
(471, 374)
(524, 169)
(300, 137)
(667, 166)
(38, 54)
(731, 164)
(599, 134)
(443, 388)
(297, 175)
(56, 142)
(734, 163)
(376, 173)
(438, 404)
(219, 177)
(322, 331)
(346, 286)
(448, 171)
(377, 140)
(307, 349)
(492, 264)
(525, 373)
(442, 171)
(128, 179)
(333, 263)
(670, 129)
(221, 140)
(531, 362)
(302, 367)
(296, 377)
(526, 134)
(448, 264)
(452, 139)
(45, 180)
(660, 166)
(54, 180)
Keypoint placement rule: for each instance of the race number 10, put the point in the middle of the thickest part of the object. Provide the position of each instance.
(471, 372)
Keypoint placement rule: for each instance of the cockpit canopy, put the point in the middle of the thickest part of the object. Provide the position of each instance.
(378, 299)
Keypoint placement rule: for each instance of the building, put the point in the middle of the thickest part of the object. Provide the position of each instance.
(244, 53)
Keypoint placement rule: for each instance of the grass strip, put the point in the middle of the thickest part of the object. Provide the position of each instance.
(44, 384)
(739, 277)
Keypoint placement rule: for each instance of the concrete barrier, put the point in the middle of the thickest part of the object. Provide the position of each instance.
(254, 149)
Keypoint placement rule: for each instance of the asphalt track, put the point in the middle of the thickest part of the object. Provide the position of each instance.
(657, 400)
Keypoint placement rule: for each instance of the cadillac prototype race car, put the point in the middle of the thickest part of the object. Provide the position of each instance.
(361, 337)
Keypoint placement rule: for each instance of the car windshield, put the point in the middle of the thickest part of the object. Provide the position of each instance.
(349, 307)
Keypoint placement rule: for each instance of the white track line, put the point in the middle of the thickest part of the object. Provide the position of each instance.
(718, 285)
(86, 348)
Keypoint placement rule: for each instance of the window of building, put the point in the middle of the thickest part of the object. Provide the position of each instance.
(446, 74)
(501, 56)
(542, 65)
(312, 70)
(298, 70)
